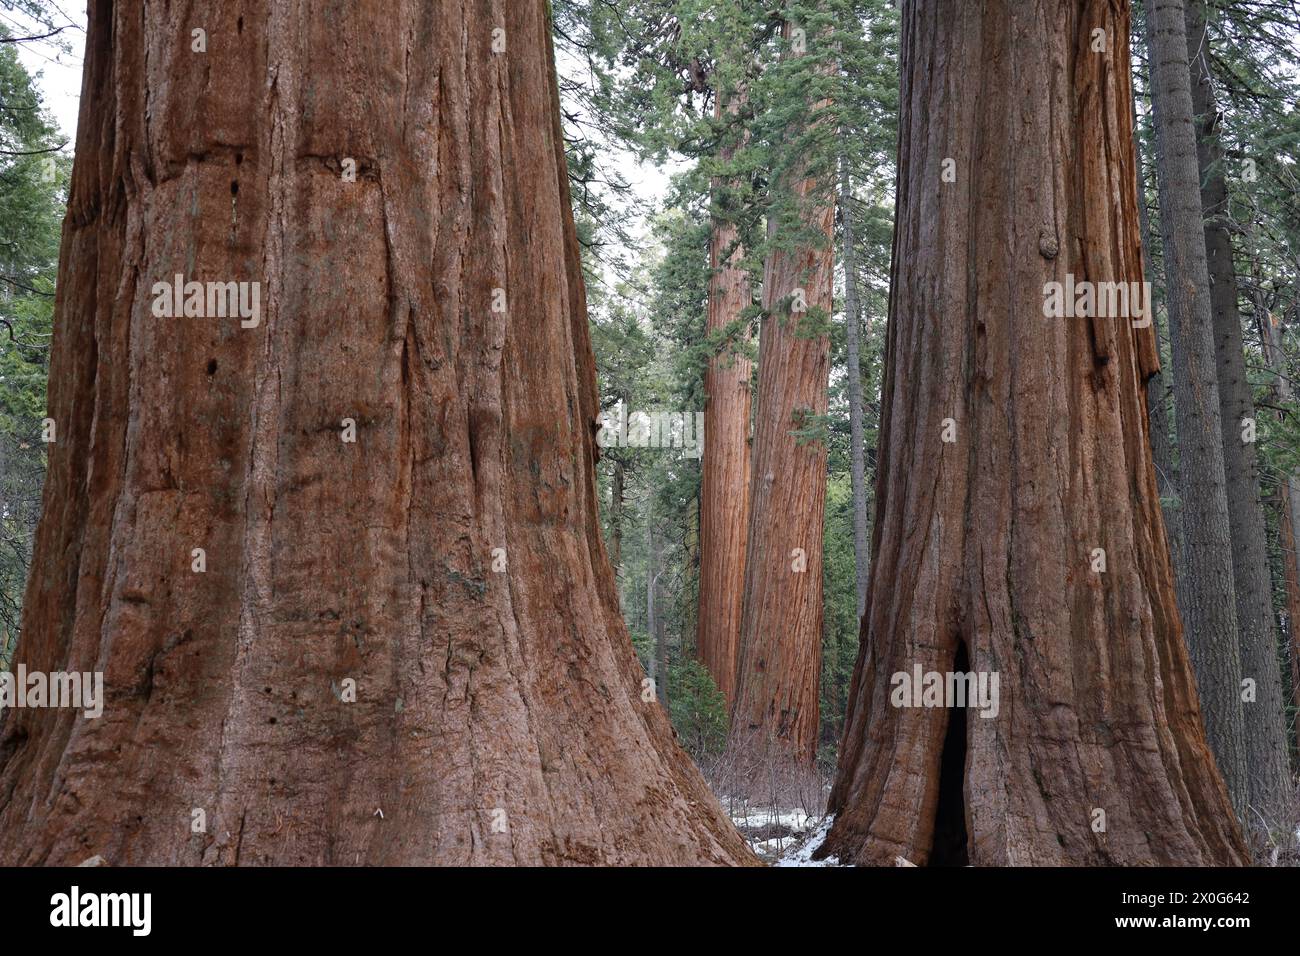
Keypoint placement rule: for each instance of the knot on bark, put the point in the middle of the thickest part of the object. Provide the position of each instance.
(1048, 247)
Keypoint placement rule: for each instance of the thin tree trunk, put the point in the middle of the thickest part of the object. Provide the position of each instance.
(1279, 362)
(1287, 496)
(1209, 605)
(852, 324)
(1270, 335)
(774, 721)
(985, 547)
(1162, 446)
(349, 681)
(661, 663)
(1271, 791)
(616, 511)
(654, 626)
(725, 467)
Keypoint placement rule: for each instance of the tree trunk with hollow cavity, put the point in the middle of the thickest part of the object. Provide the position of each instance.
(984, 546)
(499, 712)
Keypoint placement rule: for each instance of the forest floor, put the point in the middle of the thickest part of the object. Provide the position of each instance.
(781, 835)
(772, 832)
(801, 853)
(786, 833)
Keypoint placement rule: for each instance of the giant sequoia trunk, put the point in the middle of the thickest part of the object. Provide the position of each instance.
(724, 480)
(499, 715)
(1271, 793)
(986, 547)
(1208, 599)
(775, 718)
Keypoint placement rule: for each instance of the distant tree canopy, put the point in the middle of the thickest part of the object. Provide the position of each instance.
(33, 190)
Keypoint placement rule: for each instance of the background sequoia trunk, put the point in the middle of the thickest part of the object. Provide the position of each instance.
(774, 722)
(982, 547)
(499, 715)
(724, 479)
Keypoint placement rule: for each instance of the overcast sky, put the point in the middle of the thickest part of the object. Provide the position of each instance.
(58, 74)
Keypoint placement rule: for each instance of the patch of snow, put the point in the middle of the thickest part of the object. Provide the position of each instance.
(796, 820)
(802, 854)
(776, 832)
(771, 849)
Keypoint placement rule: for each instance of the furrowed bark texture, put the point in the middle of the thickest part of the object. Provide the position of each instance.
(725, 468)
(498, 715)
(982, 547)
(775, 717)
(1209, 599)
(1271, 792)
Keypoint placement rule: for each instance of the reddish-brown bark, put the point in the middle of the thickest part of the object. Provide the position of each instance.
(499, 713)
(775, 717)
(983, 546)
(724, 479)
